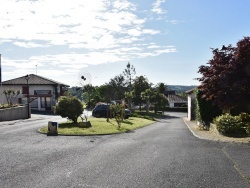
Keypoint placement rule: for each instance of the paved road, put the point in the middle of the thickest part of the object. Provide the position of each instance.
(164, 154)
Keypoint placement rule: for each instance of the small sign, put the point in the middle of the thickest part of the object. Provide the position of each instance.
(52, 128)
(42, 92)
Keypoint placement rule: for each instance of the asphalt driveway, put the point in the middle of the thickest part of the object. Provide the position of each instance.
(164, 154)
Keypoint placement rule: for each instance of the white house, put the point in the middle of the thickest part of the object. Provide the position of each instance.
(176, 101)
(40, 91)
(191, 103)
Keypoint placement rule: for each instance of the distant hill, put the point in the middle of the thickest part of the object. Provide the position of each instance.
(180, 88)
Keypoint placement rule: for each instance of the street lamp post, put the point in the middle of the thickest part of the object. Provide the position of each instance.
(27, 77)
(83, 78)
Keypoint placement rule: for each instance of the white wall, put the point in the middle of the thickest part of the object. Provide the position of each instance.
(191, 107)
(10, 114)
(36, 103)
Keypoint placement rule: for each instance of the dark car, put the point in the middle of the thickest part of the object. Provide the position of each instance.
(102, 110)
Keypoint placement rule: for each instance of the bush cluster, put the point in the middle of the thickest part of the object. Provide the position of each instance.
(228, 124)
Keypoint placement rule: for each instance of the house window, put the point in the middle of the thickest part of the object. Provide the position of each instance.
(25, 90)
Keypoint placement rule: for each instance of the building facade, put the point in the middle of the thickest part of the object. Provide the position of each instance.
(42, 93)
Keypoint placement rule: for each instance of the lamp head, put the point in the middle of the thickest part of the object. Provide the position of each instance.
(27, 77)
(82, 77)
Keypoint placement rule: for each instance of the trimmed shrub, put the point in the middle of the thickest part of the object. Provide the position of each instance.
(245, 119)
(228, 124)
(69, 107)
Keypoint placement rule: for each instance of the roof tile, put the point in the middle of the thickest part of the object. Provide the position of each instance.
(33, 80)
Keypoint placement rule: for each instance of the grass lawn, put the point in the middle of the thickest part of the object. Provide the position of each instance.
(100, 126)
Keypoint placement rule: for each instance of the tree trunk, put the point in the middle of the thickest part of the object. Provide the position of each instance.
(147, 106)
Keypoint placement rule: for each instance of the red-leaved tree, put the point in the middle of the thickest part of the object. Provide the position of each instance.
(226, 78)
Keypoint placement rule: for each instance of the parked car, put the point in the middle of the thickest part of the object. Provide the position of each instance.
(102, 110)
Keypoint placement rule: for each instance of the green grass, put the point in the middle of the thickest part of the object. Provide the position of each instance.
(150, 115)
(100, 126)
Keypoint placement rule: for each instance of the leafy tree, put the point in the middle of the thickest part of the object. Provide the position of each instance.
(159, 99)
(118, 112)
(226, 78)
(75, 91)
(241, 76)
(129, 96)
(161, 88)
(70, 107)
(216, 77)
(129, 72)
(105, 93)
(88, 94)
(118, 86)
(147, 95)
(140, 85)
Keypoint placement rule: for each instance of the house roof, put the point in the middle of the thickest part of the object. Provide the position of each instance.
(176, 98)
(190, 91)
(33, 80)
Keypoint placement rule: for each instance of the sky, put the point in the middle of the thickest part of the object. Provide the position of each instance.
(165, 40)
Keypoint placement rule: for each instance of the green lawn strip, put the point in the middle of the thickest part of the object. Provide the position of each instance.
(100, 126)
(149, 115)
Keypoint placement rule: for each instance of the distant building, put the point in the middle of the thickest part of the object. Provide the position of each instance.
(176, 101)
(42, 92)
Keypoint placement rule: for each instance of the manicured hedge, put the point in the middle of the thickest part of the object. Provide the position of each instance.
(233, 125)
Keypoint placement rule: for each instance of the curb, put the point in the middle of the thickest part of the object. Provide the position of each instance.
(220, 138)
(196, 135)
(128, 131)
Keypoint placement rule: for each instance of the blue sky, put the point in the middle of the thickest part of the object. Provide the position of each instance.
(165, 40)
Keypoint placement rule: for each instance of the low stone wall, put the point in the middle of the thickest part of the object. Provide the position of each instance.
(14, 113)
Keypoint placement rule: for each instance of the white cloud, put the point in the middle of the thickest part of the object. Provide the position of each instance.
(74, 23)
(153, 46)
(150, 31)
(175, 21)
(74, 20)
(70, 35)
(157, 7)
(28, 44)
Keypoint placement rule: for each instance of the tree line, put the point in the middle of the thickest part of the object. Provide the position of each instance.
(124, 86)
